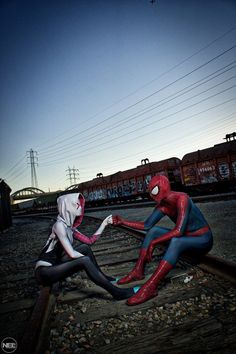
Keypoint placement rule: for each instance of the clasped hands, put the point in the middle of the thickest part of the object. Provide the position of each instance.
(115, 220)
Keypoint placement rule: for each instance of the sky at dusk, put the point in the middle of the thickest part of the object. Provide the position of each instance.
(99, 85)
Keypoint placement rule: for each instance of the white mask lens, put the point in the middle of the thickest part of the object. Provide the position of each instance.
(155, 190)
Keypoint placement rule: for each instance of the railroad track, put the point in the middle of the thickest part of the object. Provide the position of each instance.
(85, 319)
(194, 309)
(19, 246)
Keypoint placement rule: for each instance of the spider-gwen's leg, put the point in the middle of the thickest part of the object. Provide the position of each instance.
(138, 272)
(52, 274)
(87, 251)
(177, 246)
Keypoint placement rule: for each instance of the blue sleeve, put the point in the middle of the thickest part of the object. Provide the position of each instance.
(153, 219)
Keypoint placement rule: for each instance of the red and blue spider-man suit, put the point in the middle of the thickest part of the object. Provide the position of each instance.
(191, 232)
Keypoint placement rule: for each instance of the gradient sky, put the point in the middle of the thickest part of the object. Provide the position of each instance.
(100, 85)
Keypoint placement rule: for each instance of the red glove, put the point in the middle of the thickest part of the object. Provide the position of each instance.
(117, 220)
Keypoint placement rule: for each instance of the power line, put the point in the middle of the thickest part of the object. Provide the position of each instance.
(160, 119)
(220, 120)
(179, 138)
(13, 174)
(88, 140)
(161, 75)
(153, 80)
(17, 176)
(153, 130)
(146, 97)
(145, 110)
(9, 172)
(167, 126)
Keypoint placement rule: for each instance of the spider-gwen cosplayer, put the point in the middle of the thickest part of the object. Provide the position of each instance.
(190, 233)
(59, 259)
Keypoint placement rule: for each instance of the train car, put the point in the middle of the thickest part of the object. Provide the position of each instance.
(210, 170)
(46, 202)
(5, 206)
(130, 184)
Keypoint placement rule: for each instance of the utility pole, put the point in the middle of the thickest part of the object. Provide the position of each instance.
(73, 174)
(32, 155)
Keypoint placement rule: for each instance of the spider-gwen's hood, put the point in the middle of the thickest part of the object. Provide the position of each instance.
(71, 208)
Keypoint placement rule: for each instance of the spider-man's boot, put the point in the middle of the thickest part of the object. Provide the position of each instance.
(149, 289)
(138, 272)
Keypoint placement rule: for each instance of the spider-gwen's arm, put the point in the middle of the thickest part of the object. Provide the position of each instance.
(183, 208)
(60, 232)
(145, 225)
(92, 239)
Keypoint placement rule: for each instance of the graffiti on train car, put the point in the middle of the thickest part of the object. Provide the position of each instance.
(234, 168)
(190, 175)
(204, 171)
(122, 189)
(224, 170)
(97, 194)
(207, 172)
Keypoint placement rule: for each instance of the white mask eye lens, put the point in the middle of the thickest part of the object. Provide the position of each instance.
(155, 190)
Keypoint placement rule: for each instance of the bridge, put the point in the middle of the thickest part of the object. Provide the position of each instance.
(72, 187)
(27, 193)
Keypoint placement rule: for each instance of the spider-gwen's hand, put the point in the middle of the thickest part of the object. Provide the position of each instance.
(107, 221)
(117, 220)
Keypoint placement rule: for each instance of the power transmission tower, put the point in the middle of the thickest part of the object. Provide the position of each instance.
(33, 162)
(73, 174)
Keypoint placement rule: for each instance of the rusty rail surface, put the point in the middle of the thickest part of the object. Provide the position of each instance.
(30, 340)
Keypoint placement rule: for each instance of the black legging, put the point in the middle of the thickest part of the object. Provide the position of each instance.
(52, 274)
(87, 251)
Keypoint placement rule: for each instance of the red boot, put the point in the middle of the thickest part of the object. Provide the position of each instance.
(149, 289)
(138, 272)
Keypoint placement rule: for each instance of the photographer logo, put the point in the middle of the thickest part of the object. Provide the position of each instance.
(9, 345)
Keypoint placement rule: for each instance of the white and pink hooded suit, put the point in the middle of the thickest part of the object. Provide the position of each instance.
(58, 259)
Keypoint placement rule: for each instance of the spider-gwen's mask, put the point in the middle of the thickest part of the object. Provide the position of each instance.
(159, 188)
(71, 208)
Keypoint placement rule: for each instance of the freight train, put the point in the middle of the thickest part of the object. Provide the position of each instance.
(130, 184)
(211, 170)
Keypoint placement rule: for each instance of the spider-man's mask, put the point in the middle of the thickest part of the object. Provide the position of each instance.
(159, 188)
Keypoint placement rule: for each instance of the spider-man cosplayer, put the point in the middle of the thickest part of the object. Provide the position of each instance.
(191, 232)
(59, 259)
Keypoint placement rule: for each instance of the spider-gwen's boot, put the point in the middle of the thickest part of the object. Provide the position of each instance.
(149, 289)
(138, 272)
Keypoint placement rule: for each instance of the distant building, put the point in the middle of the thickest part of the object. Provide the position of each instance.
(5, 206)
